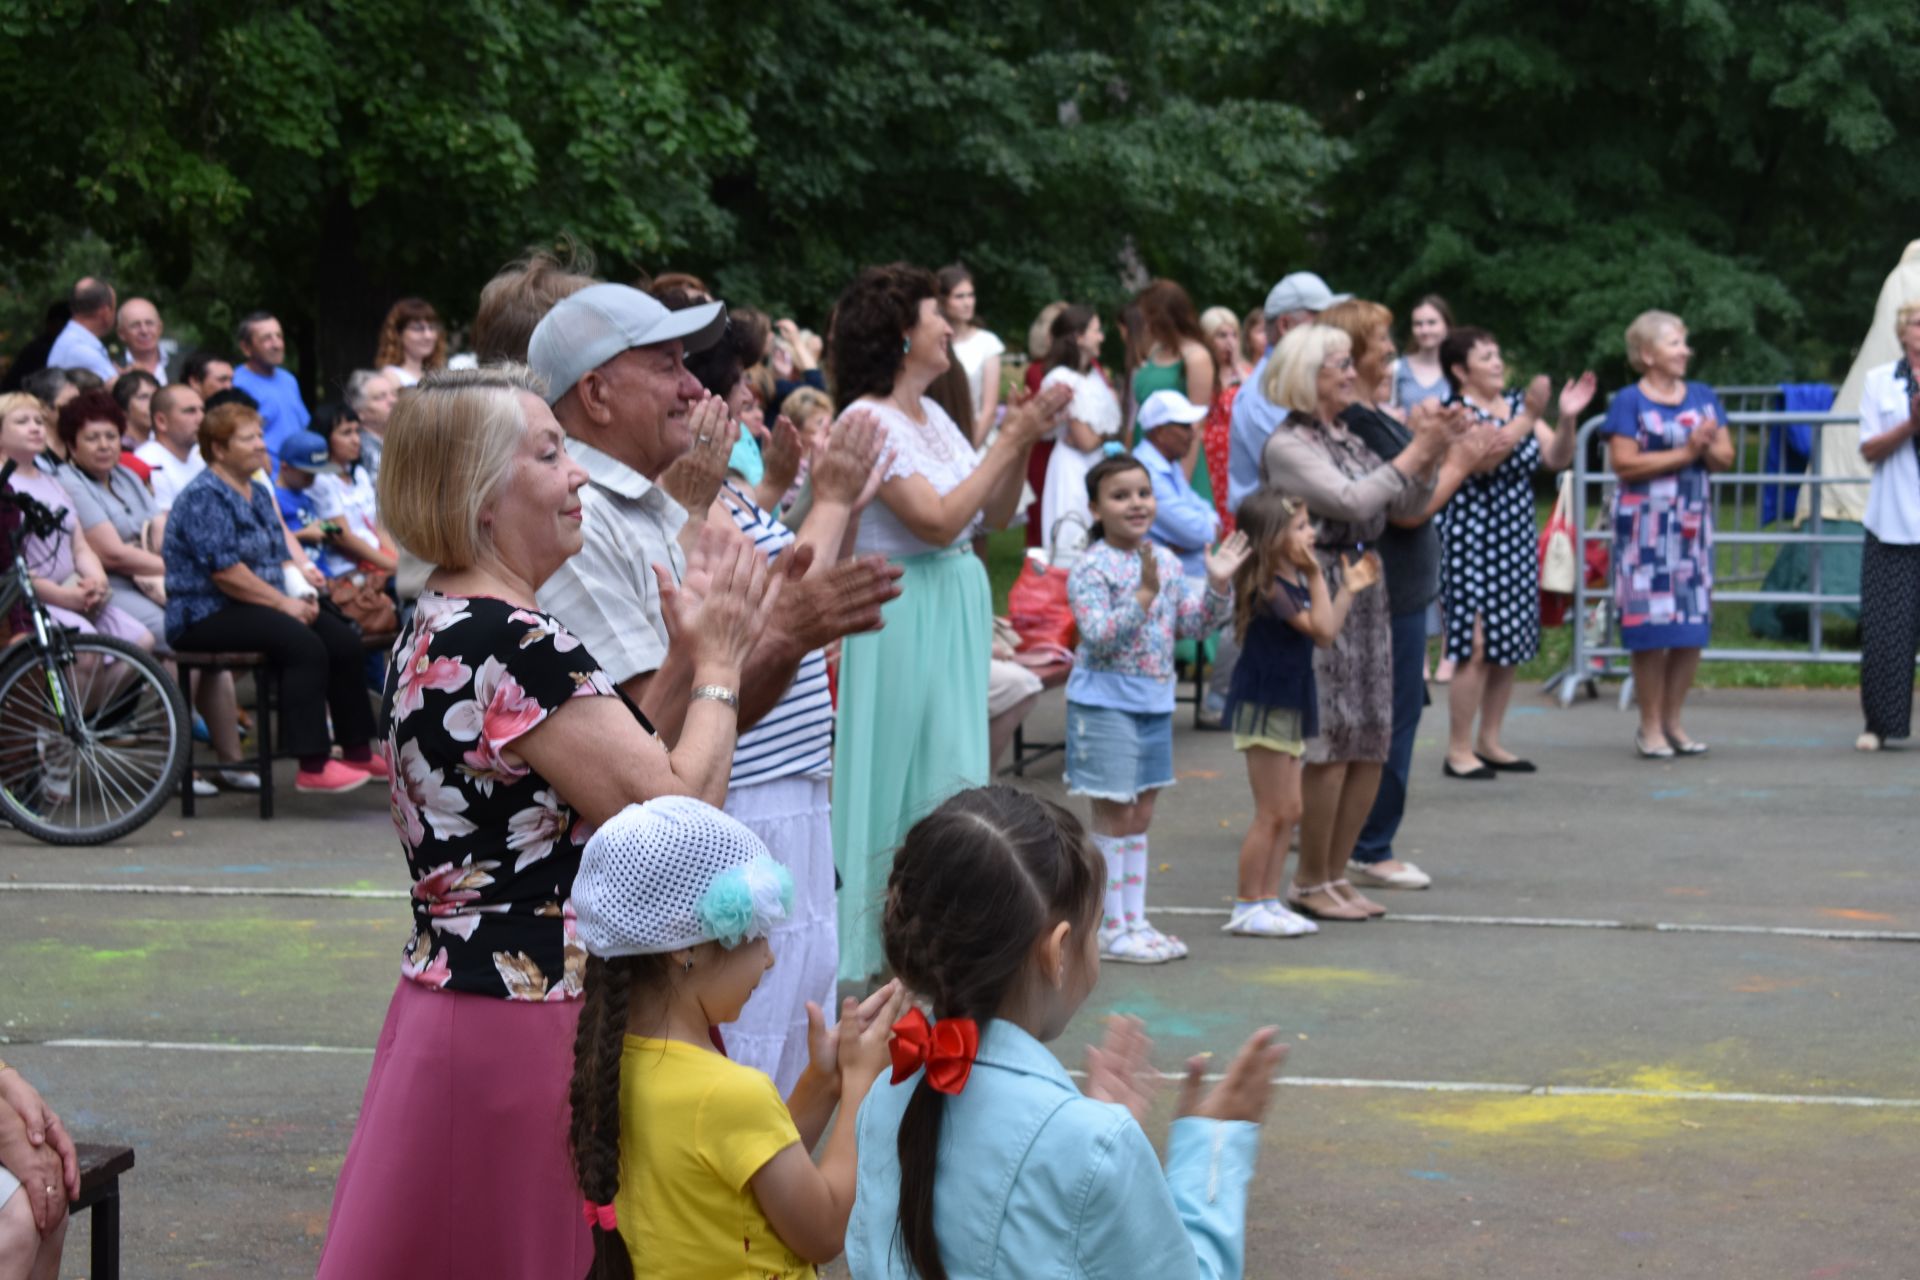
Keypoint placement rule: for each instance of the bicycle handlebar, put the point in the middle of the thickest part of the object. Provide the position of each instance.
(39, 521)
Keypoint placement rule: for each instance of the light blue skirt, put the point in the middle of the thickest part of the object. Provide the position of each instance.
(911, 731)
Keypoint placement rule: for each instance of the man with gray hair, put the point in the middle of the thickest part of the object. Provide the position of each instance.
(613, 359)
(82, 344)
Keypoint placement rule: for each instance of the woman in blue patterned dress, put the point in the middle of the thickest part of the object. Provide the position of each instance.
(1490, 579)
(1664, 436)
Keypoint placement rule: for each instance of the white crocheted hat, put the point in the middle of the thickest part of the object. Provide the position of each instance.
(675, 872)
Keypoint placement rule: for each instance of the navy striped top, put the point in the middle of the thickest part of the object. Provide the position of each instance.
(795, 739)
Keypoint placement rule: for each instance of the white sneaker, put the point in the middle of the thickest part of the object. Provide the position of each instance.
(56, 767)
(203, 788)
(1254, 920)
(1131, 946)
(1407, 877)
(237, 779)
(1168, 945)
(1298, 925)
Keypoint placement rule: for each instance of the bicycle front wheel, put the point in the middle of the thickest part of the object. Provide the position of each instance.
(118, 764)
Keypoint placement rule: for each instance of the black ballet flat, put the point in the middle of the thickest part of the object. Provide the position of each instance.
(1481, 774)
(1511, 766)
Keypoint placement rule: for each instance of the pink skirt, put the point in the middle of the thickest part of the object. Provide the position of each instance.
(458, 1165)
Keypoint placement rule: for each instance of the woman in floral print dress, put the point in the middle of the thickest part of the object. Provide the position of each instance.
(508, 746)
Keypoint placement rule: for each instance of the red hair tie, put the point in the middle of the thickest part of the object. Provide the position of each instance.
(599, 1215)
(945, 1048)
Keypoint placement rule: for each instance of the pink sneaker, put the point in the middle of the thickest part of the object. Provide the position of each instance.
(375, 767)
(337, 777)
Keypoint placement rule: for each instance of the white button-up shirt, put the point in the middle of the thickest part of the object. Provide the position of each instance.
(78, 348)
(1893, 501)
(607, 594)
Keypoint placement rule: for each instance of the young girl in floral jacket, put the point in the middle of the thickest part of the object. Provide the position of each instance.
(1131, 602)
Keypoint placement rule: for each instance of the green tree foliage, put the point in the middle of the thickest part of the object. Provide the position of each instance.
(1555, 169)
(1552, 169)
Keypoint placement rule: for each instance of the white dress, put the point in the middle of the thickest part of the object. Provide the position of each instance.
(973, 355)
(1065, 515)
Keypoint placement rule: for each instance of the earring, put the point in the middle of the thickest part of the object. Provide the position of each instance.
(686, 966)
(906, 347)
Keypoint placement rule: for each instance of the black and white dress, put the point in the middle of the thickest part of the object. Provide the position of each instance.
(1490, 568)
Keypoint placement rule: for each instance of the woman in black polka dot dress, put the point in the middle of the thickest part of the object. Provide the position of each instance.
(1490, 576)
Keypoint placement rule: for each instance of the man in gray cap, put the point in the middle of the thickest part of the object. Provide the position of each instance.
(1298, 299)
(1295, 301)
(613, 359)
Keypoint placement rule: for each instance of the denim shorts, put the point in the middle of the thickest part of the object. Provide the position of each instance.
(1116, 755)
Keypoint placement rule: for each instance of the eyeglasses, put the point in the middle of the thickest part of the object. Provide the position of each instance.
(1341, 365)
(422, 326)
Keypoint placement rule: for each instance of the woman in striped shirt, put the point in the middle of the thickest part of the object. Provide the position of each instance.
(781, 766)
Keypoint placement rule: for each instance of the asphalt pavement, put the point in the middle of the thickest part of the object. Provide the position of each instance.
(1652, 1019)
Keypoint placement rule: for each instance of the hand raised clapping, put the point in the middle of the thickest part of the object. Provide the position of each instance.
(1225, 560)
(848, 463)
(693, 479)
(1120, 1070)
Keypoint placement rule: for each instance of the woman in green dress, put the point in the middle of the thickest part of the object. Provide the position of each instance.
(912, 721)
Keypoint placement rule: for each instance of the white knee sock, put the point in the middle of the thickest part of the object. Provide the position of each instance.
(1112, 849)
(1134, 888)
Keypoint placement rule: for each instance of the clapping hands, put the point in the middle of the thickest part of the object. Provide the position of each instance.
(1360, 574)
(1225, 560)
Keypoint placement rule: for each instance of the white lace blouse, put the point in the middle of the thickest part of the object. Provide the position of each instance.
(934, 450)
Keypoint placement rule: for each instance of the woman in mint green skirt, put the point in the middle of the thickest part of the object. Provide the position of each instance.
(912, 723)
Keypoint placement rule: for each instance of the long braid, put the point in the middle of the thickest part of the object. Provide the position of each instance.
(974, 885)
(594, 1096)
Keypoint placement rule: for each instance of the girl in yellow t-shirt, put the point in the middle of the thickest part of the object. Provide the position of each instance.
(692, 1166)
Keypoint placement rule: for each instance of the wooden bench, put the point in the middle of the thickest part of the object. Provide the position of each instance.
(265, 689)
(100, 1170)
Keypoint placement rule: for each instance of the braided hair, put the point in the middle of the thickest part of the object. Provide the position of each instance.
(976, 883)
(593, 1132)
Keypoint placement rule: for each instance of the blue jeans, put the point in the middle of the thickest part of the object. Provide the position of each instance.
(1409, 698)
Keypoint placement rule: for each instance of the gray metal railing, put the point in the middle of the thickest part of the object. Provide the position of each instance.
(1589, 661)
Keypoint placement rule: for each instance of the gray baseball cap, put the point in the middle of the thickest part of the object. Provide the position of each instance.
(591, 327)
(1302, 291)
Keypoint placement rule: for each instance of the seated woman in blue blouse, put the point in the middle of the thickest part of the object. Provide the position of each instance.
(228, 554)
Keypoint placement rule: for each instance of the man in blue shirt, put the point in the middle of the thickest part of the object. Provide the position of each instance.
(264, 348)
(81, 345)
(1183, 522)
(1296, 300)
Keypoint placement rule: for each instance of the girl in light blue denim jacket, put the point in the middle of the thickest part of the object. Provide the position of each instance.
(982, 1158)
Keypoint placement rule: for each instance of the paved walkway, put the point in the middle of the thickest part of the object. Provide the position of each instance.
(1655, 1019)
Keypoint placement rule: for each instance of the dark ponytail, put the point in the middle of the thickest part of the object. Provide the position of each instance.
(593, 1133)
(974, 886)
(1111, 465)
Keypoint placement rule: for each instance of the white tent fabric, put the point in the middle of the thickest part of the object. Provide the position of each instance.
(1840, 446)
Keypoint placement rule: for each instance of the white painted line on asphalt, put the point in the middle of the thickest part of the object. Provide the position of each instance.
(191, 1046)
(1292, 1082)
(1628, 926)
(1505, 922)
(204, 890)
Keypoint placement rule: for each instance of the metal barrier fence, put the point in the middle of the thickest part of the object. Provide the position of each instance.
(1590, 661)
(1734, 502)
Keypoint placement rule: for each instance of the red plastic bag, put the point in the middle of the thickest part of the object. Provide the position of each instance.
(1038, 609)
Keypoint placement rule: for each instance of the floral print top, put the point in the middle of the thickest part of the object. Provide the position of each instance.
(1125, 658)
(492, 847)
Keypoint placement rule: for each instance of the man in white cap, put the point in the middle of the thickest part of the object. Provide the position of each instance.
(613, 359)
(1183, 522)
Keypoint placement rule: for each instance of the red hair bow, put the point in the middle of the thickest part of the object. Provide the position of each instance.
(600, 1215)
(945, 1048)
